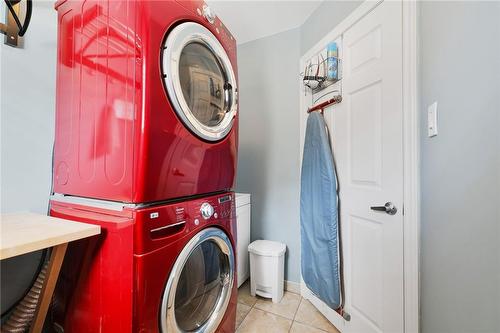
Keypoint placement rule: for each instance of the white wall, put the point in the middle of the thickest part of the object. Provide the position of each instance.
(268, 160)
(27, 117)
(27, 132)
(460, 174)
(326, 17)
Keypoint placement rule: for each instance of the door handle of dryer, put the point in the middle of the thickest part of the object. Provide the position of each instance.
(388, 208)
(230, 95)
(165, 230)
(235, 95)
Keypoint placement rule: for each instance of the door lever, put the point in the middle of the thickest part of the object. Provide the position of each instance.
(389, 208)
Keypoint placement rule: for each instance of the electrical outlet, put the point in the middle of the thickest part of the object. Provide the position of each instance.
(432, 125)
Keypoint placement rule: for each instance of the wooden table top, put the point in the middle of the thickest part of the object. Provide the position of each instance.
(21, 233)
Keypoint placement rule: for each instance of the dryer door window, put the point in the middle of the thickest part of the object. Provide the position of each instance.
(199, 287)
(200, 81)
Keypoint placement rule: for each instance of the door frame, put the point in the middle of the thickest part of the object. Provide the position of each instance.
(411, 146)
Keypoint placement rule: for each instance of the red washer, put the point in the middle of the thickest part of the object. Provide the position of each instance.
(164, 269)
(146, 105)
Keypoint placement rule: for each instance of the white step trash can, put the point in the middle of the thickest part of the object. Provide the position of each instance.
(267, 269)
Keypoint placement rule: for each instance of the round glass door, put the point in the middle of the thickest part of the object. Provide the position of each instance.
(200, 284)
(200, 81)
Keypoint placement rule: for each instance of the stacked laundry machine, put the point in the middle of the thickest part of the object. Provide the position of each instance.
(146, 147)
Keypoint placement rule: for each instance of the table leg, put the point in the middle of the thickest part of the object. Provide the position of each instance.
(54, 266)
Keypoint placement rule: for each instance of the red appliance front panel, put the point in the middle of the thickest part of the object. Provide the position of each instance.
(117, 136)
(115, 282)
(154, 257)
(94, 292)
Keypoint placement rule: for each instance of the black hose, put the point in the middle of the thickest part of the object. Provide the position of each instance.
(27, 18)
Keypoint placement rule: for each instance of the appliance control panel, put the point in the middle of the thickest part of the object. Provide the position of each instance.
(212, 208)
(158, 225)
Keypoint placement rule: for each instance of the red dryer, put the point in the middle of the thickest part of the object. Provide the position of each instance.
(164, 268)
(146, 101)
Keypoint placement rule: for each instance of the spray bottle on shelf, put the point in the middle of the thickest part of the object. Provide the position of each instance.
(332, 55)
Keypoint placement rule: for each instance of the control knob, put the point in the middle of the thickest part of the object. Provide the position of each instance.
(206, 210)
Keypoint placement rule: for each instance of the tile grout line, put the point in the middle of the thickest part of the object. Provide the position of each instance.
(295, 314)
(311, 325)
(296, 311)
(238, 302)
(275, 314)
(241, 322)
(292, 320)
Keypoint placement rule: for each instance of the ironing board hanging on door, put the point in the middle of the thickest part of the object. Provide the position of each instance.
(320, 243)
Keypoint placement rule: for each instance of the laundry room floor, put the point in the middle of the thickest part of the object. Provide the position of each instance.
(293, 314)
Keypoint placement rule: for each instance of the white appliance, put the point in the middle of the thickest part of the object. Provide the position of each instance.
(243, 208)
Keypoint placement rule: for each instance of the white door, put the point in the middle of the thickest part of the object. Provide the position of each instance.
(373, 171)
(367, 136)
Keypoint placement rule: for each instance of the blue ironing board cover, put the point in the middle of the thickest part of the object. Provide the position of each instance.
(319, 214)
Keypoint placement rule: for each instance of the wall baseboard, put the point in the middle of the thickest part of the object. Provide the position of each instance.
(293, 287)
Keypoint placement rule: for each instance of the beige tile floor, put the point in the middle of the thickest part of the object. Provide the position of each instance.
(293, 314)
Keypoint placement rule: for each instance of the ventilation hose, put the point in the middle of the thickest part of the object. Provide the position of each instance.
(21, 317)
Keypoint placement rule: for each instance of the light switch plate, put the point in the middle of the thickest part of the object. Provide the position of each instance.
(432, 125)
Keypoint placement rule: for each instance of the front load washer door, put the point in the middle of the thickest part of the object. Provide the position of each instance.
(200, 81)
(199, 286)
